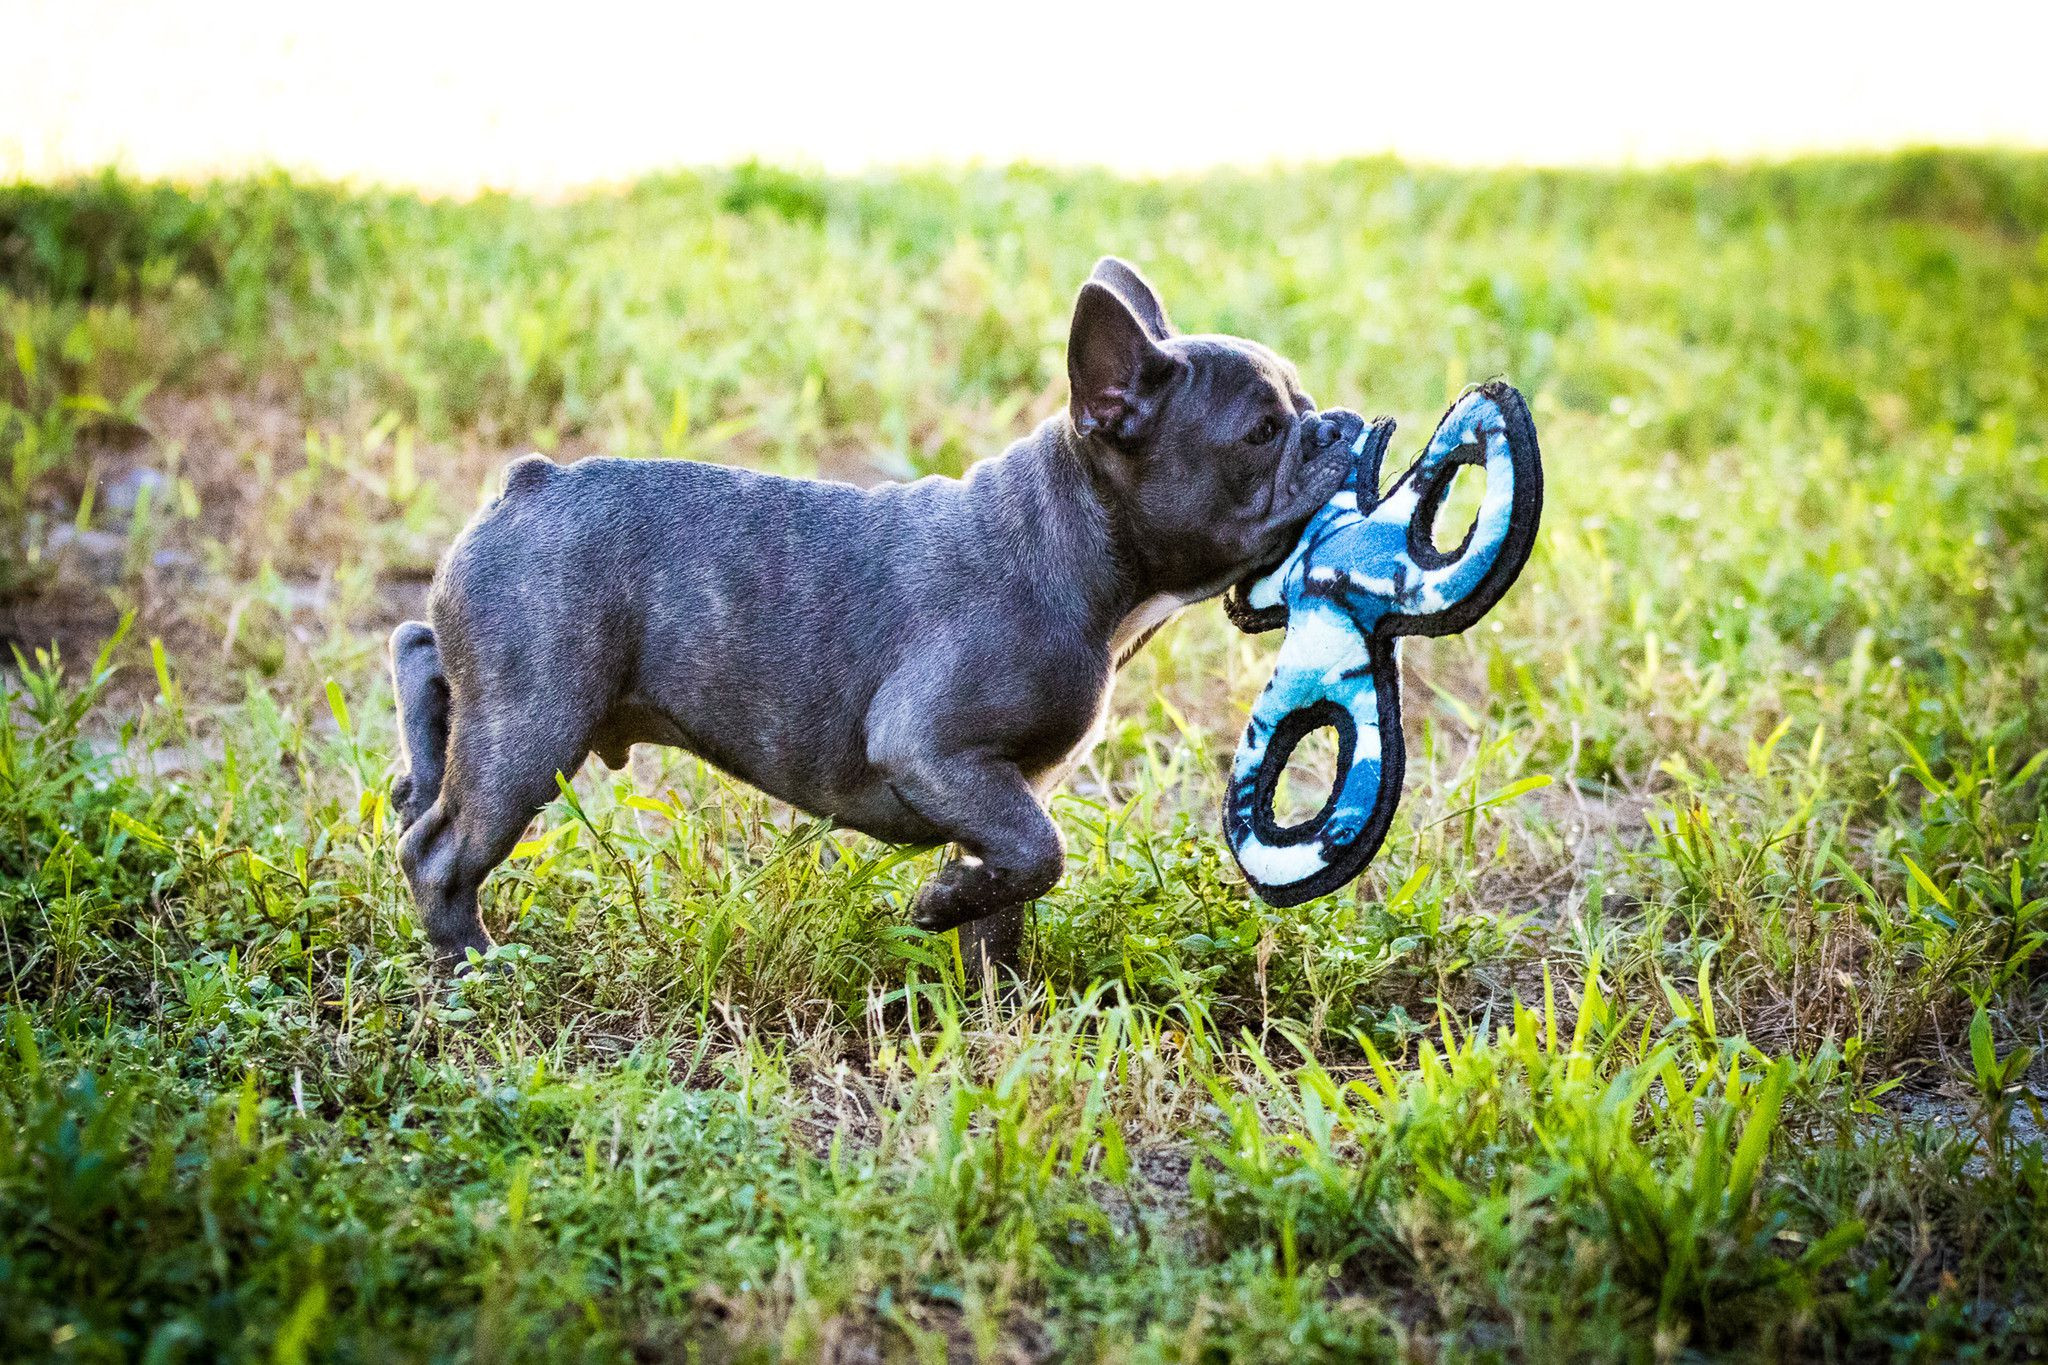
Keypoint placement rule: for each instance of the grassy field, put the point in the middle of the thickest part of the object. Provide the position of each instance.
(1689, 1012)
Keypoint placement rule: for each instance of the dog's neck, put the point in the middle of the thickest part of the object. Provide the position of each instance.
(1066, 520)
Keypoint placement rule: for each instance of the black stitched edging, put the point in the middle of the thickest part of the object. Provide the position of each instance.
(1294, 727)
(1526, 459)
(1237, 605)
(1347, 862)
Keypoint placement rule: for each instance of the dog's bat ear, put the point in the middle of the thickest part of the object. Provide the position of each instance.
(1116, 371)
(1137, 294)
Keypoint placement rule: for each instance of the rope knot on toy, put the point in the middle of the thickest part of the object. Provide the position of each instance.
(1365, 572)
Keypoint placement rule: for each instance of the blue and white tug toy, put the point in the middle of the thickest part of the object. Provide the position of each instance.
(1365, 573)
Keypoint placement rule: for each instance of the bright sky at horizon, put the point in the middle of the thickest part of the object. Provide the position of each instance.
(543, 98)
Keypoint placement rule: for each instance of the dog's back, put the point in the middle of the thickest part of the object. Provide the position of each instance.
(612, 596)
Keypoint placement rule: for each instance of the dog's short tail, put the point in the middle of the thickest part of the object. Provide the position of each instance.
(422, 719)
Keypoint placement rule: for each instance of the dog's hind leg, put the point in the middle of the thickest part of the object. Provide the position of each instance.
(501, 771)
(422, 693)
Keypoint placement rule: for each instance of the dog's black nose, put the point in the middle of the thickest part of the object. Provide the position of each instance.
(1330, 428)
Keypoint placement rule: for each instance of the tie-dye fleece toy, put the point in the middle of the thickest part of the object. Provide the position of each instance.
(1365, 573)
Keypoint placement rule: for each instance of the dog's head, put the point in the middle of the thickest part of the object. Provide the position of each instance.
(1208, 453)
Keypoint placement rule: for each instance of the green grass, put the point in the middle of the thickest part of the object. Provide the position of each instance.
(1689, 1012)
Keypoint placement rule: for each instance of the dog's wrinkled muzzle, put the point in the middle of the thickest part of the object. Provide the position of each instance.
(1334, 448)
(1339, 450)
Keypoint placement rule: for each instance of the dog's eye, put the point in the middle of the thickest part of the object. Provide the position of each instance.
(1266, 430)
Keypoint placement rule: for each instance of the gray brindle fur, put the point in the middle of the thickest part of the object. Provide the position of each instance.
(922, 662)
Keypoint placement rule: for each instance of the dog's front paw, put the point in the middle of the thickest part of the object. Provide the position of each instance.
(940, 905)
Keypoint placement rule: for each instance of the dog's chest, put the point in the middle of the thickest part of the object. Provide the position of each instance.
(1148, 616)
(1052, 774)
(1152, 613)
(1131, 633)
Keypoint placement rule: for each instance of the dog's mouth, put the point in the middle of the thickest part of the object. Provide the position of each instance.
(1328, 454)
(1317, 481)
(1325, 462)
(1314, 485)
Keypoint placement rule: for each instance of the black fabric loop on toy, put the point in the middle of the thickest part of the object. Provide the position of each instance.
(1524, 515)
(1422, 528)
(1298, 726)
(1248, 618)
(1343, 862)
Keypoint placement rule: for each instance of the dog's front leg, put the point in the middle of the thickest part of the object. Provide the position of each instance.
(1009, 851)
(992, 942)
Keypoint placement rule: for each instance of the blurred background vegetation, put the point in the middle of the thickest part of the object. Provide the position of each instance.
(1691, 1008)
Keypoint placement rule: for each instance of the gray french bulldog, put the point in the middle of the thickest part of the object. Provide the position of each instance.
(921, 662)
